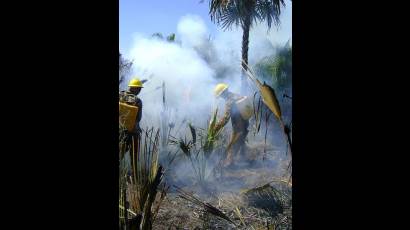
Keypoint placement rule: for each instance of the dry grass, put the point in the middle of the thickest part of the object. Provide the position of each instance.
(204, 205)
(141, 190)
(232, 201)
(196, 213)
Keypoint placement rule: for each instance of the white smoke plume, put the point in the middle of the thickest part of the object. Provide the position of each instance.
(189, 79)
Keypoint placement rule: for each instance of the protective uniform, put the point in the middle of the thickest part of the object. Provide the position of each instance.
(239, 127)
(134, 134)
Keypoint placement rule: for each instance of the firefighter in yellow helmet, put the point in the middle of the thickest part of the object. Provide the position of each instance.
(239, 122)
(132, 130)
(133, 135)
(131, 97)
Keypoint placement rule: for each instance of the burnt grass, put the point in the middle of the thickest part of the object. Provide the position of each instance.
(256, 195)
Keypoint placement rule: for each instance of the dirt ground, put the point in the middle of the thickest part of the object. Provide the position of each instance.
(228, 194)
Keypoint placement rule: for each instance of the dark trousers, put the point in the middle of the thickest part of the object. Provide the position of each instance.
(133, 145)
(237, 146)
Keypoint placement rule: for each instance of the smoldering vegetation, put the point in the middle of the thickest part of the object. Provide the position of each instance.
(181, 181)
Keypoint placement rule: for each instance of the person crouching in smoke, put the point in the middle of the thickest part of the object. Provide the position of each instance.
(239, 120)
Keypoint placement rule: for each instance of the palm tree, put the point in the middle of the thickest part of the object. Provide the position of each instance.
(227, 13)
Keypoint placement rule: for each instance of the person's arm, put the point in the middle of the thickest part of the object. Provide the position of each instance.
(139, 105)
(226, 117)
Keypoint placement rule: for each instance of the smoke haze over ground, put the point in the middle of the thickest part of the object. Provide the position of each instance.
(190, 67)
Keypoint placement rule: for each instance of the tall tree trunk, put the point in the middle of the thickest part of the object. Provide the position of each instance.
(245, 46)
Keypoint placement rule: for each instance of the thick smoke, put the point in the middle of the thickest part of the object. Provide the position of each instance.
(189, 78)
(192, 30)
(190, 68)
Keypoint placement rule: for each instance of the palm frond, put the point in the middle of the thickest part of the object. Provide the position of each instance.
(171, 37)
(226, 16)
(227, 13)
(158, 35)
(204, 205)
(269, 10)
(277, 67)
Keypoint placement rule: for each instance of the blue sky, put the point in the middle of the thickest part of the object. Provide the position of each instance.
(151, 16)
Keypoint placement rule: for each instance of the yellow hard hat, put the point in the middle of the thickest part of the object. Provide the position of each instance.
(219, 89)
(135, 83)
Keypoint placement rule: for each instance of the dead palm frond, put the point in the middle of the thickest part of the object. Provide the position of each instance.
(204, 205)
(270, 100)
(267, 198)
(268, 93)
(164, 192)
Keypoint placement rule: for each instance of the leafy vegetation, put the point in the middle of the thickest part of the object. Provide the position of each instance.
(277, 68)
